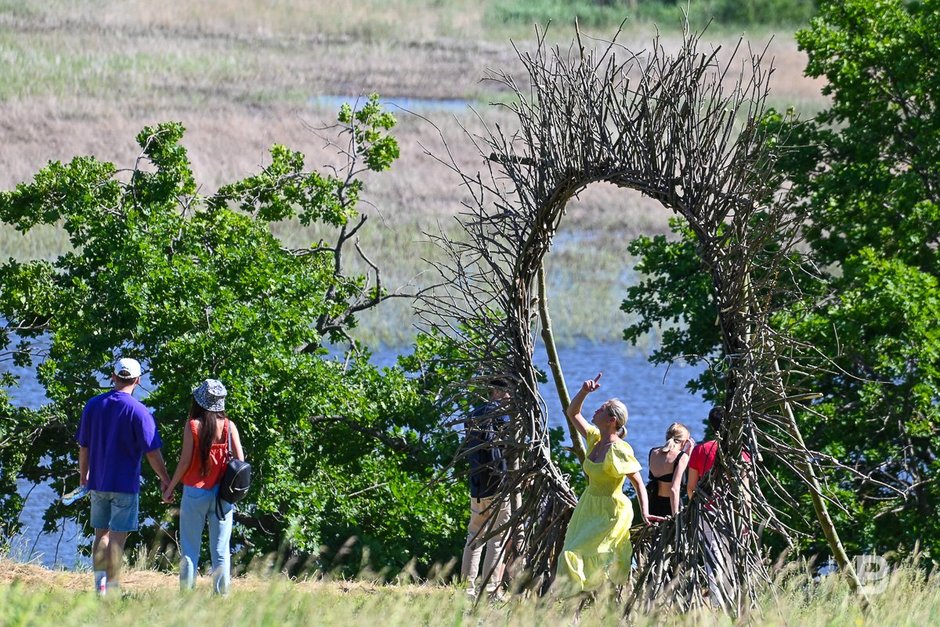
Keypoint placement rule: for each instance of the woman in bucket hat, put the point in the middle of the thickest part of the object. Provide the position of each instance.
(210, 439)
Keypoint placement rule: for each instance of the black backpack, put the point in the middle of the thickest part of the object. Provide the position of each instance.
(235, 482)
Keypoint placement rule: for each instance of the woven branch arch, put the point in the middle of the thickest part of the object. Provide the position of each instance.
(683, 129)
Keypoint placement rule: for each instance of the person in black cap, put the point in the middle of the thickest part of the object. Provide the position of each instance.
(487, 510)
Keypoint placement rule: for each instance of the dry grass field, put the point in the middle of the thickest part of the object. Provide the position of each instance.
(83, 77)
(30, 595)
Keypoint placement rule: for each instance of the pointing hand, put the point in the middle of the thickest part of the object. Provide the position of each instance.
(592, 385)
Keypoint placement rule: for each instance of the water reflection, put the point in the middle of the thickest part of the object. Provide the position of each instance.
(447, 105)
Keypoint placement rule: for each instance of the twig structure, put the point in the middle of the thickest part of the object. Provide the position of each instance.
(684, 129)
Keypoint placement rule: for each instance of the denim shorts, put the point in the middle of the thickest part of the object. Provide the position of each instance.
(116, 511)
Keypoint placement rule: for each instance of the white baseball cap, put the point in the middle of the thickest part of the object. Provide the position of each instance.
(127, 368)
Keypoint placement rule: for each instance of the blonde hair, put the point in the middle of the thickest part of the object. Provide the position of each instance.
(618, 411)
(675, 435)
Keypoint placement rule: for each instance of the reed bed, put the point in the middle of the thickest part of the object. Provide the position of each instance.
(82, 77)
(588, 274)
(493, 20)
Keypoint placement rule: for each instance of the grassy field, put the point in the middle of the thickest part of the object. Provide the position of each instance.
(83, 77)
(30, 595)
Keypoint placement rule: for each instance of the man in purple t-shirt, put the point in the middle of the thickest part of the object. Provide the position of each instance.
(115, 433)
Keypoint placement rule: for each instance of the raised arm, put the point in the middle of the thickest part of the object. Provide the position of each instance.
(186, 458)
(574, 409)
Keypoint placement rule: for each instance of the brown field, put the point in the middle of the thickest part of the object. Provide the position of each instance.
(83, 77)
(143, 581)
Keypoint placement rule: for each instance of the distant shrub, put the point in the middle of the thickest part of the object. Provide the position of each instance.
(609, 13)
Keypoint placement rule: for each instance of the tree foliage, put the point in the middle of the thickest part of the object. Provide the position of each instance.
(674, 296)
(197, 286)
(875, 198)
(869, 169)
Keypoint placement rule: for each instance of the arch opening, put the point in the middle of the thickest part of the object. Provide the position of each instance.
(667, 126)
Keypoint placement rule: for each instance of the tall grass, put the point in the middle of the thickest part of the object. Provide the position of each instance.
(157, 69)
(492, 20)
(910, 598)
(84, 76)
(63, 64)
(285, 51)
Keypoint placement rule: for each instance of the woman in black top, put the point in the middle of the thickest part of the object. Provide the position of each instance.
(667, 466)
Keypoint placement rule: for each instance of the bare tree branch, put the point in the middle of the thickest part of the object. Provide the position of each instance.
(684, 129)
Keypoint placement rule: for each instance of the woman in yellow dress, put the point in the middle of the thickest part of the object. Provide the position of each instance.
(597, 543)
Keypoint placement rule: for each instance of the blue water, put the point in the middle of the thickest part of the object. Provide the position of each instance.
(655, 397)
(447, 105)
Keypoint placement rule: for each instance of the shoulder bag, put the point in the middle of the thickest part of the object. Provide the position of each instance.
(236, 479)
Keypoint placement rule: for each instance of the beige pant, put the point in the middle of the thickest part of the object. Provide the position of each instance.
(481, 510)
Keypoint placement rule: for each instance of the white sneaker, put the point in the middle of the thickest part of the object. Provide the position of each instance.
(101, 583)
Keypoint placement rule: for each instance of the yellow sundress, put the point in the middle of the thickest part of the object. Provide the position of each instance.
(597, 544)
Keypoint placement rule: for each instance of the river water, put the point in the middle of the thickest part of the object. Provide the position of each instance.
(655, 396)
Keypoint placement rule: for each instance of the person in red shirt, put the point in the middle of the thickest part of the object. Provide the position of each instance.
(703, 455)
(210, 439)
(717, 541)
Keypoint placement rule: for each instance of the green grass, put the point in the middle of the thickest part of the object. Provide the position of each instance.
(42, 242)
(910, 599)
(70, 65)
(153, 68)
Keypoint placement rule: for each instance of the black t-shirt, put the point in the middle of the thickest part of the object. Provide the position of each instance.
(487, 464)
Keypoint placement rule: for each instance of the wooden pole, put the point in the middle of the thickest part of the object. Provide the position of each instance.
(577, 444)
(819, 502)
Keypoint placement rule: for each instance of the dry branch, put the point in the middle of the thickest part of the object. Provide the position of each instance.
(684, 129)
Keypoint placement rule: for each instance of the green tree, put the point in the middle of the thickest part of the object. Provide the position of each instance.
(874, 192)
(197, 286)
(869, 170)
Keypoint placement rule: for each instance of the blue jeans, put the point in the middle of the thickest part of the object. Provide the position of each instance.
(196, 508)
